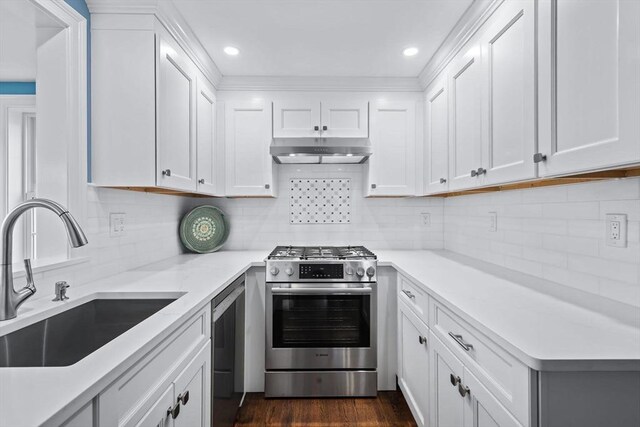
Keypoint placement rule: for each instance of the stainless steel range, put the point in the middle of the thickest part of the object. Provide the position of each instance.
(321, 309)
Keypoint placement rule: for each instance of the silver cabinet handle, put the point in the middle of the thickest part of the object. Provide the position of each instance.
(442, 180)
(183, 398)
(539, 157)
(460, 341)
(422, 339)
(174, 411)
(481, 171)
(463, 390)
(316, 128)
(201, 181)
(373, 186)
(408, 293)
(474, 173)
(166, 172)
(267, 186)
(455, 380)
(324, 127)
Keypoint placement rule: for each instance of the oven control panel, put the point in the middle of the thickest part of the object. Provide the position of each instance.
(321, 271)
(349, 271)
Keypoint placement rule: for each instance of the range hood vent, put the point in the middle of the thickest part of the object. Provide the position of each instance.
(321, 150)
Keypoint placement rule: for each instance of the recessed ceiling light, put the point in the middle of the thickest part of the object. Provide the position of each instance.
(230, 50)
(410, 51)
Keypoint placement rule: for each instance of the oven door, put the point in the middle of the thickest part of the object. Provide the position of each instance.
(321, 326)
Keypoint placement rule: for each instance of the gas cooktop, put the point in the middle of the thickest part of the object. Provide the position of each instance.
(321, 252)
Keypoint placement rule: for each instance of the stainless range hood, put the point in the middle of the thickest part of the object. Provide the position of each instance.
(320, 150)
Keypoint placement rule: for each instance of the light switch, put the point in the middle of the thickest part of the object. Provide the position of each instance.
(616, 230)
(426, 219)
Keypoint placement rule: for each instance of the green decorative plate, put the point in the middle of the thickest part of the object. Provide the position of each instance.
(204, 229)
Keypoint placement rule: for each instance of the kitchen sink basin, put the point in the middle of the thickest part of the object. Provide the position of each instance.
(68, 337)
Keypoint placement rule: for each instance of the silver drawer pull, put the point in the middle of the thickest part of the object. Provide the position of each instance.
(463, 390)
(409, 293)
(460, 341)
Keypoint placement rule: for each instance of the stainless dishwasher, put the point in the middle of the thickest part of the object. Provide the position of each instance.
(227, 359)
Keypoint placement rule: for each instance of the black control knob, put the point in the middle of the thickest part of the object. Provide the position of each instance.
(371, 271)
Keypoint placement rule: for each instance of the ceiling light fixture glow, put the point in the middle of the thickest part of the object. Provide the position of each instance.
(232, 51)
(410, 51)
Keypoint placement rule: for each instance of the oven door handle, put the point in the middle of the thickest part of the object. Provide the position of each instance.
(322, 291)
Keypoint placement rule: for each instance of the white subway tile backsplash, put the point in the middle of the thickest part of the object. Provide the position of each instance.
(556, 233)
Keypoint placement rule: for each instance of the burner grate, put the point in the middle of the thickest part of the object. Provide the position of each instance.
(321, 252)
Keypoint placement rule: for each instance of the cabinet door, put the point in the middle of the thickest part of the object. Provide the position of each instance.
(413, 362)
(193, 389)
(589, 84)
(508, 52)
(345, 119)
(482, 409)
(176, 90)
(158, 415)
(465, 125)
(393, 141)
(206, 128)
(437, 137)
(447, 405)
(248, 166)
(293, 119)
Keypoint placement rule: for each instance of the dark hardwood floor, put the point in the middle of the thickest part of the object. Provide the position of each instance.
(388, 409)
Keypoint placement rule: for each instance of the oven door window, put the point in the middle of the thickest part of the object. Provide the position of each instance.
(321, 321)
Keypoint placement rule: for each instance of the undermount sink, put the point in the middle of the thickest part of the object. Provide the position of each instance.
(68, 337)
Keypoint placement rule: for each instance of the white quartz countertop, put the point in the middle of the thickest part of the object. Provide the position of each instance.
(35, 396)
(541, 330)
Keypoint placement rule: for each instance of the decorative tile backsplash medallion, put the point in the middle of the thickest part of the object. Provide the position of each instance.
(320, 201)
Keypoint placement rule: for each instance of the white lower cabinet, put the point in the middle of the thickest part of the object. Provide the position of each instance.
(459, 398)
(159, 414)
(413, 362)
(482, 409)
(447, 409)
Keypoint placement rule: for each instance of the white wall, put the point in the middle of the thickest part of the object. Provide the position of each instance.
(385, 223)
(152, 234)
(556, 233)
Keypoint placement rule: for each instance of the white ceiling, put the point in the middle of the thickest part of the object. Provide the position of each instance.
(362, 38)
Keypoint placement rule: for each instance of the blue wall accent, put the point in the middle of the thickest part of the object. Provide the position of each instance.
(17, 88)
(81, 7)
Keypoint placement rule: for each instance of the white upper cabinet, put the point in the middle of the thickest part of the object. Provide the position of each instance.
(465, 123)
(345, 119)
(176, 90)
(310, 118)
(393, 141)
(248, 165)
(296, 119)
(436, 166)
(508, 53)
(589, 84)
(206, 128)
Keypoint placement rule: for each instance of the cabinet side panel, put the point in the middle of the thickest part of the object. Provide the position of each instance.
(123, 107)
(589, 399)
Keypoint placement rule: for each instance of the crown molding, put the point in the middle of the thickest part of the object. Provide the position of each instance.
(320, 84)
(473, 18)
(173, 21)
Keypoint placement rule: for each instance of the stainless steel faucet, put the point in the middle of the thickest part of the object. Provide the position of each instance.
(10, 299)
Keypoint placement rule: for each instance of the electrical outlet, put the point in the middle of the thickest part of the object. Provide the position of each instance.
(493, 222)
(616, 230)
(117, 224)
(426, 219)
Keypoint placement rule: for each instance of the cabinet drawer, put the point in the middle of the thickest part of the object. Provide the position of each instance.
(415, 297)
(502, 374)
(133, 394)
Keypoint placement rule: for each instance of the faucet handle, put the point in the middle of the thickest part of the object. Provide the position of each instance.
(61, 291)
(29, 273)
